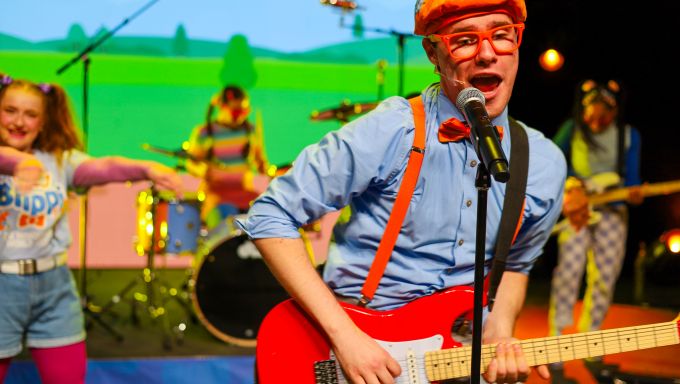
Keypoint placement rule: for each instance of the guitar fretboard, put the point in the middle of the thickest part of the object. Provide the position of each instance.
(621, 194)
(455, 362)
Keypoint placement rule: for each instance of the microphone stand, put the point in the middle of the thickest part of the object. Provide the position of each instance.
(482, 183)
(401, 40)
(88, 308)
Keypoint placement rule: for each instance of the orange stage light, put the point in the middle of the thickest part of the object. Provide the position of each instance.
(551, 60)
(671, 239)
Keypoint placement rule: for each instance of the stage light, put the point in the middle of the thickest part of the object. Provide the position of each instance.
(345, 5)
(662, 262)
(551, 60)
(657, 268)
(672, 240)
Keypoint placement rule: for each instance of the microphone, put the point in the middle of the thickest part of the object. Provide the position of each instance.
(483, 134)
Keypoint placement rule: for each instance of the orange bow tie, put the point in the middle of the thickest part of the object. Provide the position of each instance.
(26, 220)
(456, 130)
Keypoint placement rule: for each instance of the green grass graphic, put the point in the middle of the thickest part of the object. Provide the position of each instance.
(135, 100)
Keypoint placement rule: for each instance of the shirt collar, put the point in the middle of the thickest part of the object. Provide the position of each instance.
(434, 97)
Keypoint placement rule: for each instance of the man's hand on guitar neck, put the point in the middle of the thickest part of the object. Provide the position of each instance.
(509, 364)
(636, 194)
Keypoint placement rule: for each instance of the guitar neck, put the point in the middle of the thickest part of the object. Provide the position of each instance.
(621, 194)
(455, 362)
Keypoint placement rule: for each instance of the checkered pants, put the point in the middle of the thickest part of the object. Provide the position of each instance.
(599, 249)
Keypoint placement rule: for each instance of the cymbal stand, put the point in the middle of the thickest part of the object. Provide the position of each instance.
(92, 312)
(150, 298)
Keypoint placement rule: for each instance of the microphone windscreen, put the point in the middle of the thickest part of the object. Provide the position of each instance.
(468, 94)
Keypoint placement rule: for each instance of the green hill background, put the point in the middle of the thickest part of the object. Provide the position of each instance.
(359, 51)
(158, 100)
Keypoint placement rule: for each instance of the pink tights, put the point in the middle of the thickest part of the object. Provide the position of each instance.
(59, 365)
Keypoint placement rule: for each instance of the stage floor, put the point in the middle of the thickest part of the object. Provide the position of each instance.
(144, 338)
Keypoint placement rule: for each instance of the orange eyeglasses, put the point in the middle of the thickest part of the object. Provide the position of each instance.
(466, 45)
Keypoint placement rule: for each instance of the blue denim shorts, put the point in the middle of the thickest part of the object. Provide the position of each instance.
(43, 310)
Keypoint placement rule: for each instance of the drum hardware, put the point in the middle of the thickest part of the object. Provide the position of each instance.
(183, 154)
(92, 312)
(343, 112)
(175, 225)
(234, 289)
(156, 220)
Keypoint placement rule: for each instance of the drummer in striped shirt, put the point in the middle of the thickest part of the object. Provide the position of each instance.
(229, 161)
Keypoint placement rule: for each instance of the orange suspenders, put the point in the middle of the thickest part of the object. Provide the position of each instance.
(512, 208)
(408, 185)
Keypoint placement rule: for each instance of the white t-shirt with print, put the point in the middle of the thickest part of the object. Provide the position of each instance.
(35, 225)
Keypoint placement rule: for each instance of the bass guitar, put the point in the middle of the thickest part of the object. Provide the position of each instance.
(291, 347)
(620, 194)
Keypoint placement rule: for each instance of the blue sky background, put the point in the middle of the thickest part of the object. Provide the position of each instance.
(289, 26)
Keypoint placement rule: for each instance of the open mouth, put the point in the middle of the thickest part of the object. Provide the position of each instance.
(17, 134)
(486, 83)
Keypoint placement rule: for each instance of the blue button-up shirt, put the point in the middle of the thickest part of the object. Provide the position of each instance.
(362, 164)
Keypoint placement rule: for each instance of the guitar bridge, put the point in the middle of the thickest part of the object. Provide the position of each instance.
(325, 372)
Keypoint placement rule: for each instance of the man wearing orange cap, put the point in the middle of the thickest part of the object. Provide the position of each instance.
(472, 43)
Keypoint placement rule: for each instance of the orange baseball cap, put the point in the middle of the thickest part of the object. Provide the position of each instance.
(431, 15)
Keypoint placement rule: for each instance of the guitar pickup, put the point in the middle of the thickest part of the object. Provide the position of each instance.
(325, 372)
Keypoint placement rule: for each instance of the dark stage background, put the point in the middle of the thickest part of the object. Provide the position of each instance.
(632, 43)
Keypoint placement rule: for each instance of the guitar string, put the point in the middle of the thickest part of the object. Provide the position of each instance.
(643, 334)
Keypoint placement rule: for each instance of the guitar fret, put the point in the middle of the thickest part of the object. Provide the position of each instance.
(656, 339)
(579, 347)
(614, 335)
(593, 346)
(566, 351)
(488, 353)
(528, 348)
(448, 363)
(554, 349)
(465, 360)
(545, 351)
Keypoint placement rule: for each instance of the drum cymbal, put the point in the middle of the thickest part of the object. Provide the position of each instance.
(343, 112)
(184, 155)
(178, 153)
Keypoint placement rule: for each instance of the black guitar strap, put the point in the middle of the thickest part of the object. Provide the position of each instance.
(513, 205)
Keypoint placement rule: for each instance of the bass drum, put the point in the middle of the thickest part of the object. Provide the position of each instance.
(234, 290)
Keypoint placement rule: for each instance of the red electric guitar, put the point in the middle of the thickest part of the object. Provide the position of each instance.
(292, 348)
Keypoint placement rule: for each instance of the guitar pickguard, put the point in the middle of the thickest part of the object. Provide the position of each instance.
(409, 354)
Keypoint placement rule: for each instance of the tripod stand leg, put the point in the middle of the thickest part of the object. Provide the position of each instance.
(95, 313)
(158, 313)
(97, 319)
(181, 296)
(115, 299)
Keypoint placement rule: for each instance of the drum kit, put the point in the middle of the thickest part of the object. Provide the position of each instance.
(229, 288)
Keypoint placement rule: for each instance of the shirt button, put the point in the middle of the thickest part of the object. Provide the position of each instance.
(473, 163)
(449, 270)
(468, 203)
(460, 242)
